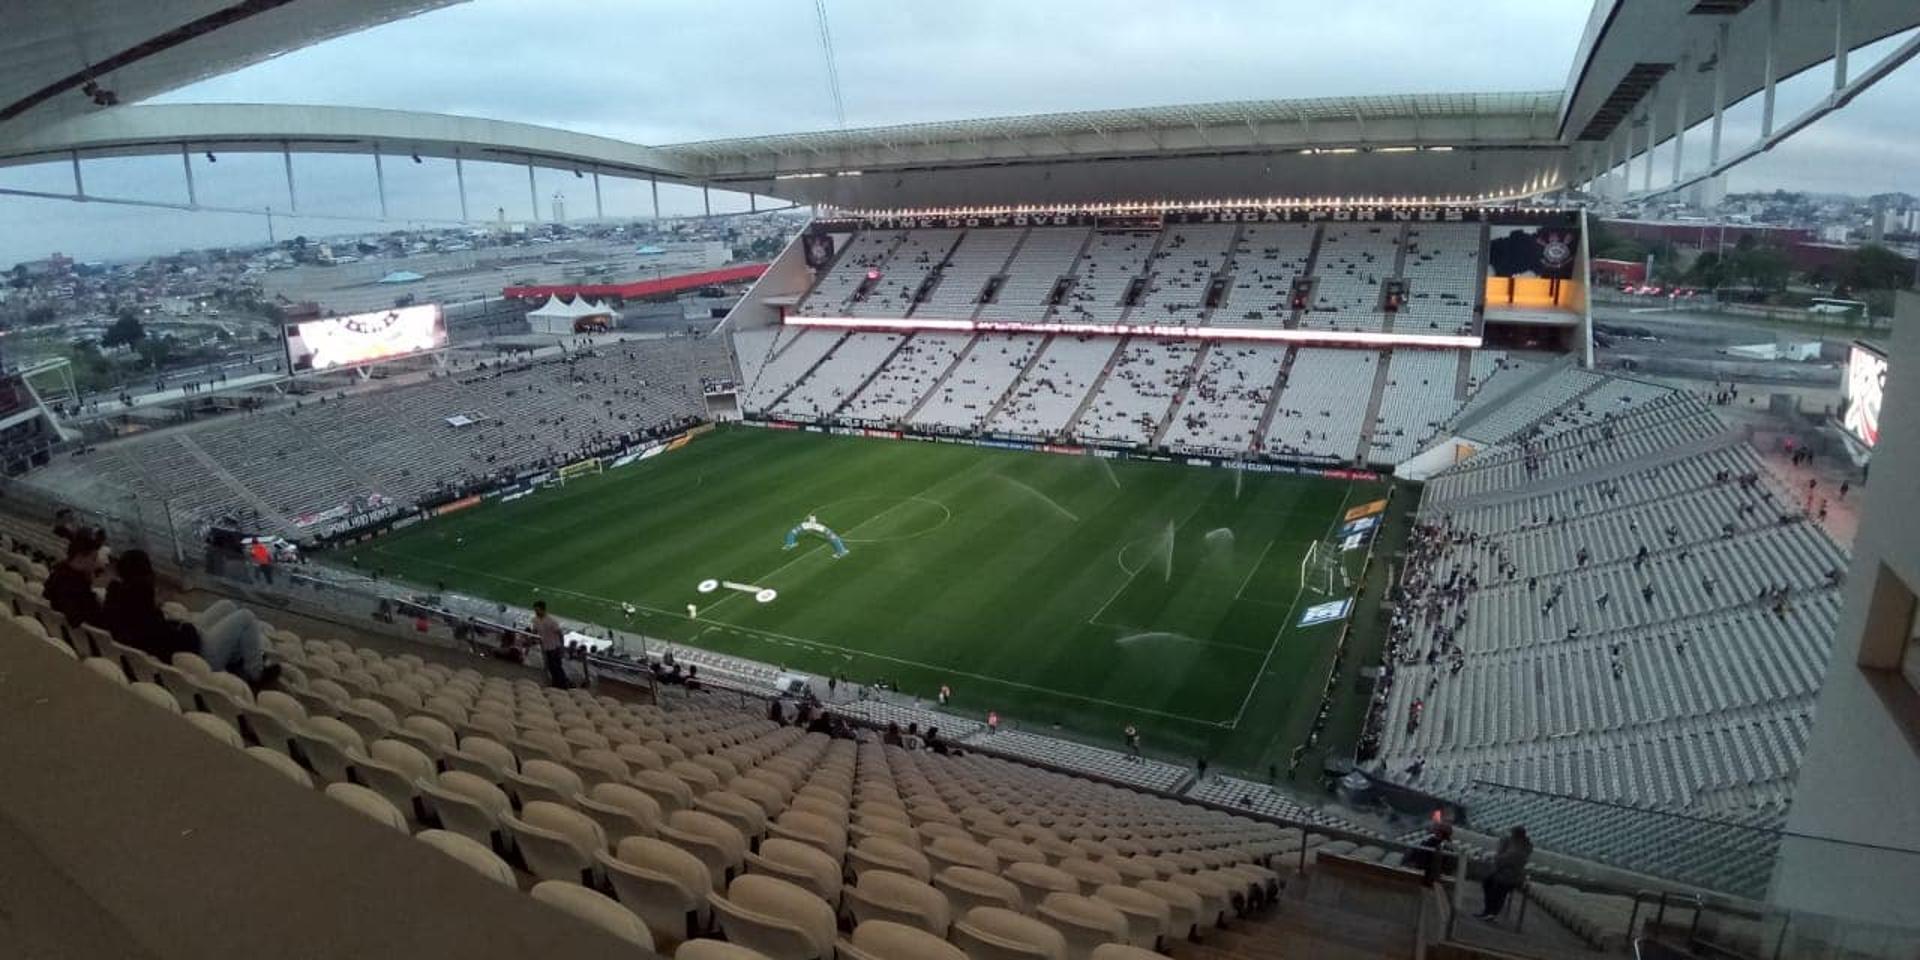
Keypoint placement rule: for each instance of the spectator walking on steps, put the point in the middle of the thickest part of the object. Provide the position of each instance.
(552, 645)
(1509, 872)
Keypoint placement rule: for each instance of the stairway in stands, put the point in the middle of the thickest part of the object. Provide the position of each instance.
(871, 375)
(1307, 272)
(1273, 399)
(1399, 273)
(1099, 380)
(225, 476)
(1374, 398)
(1180, 395)
(1026, 370)
(932, 391)
(1328, 914)
(808, 372)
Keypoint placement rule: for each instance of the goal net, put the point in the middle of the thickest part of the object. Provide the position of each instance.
(1323, 569)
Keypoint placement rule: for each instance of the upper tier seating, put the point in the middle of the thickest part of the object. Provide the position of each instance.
(1353, 259)
(672, 824)
(1441, 264)
(1047, 254)
(979, 256)
(1268, 258)
(1110, 264)
(1188, 258)
(919, 253)
(835, 287)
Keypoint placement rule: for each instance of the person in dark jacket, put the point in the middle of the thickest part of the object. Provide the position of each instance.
(132, 612)
(1509, 872)
(69, 587)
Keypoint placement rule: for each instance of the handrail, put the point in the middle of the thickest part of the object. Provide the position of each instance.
(1677, 815)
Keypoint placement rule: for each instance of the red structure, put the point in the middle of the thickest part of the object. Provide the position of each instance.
(642, 289)
(1613, 273)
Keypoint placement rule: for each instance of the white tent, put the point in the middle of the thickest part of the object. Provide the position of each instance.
(554, 317)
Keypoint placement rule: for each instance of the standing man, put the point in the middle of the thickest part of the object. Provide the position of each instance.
(1133, 743)
(552, 645)
(262, 557)
(1509, 872)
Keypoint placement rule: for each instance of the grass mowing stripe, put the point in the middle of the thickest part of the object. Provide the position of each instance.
(955, 575)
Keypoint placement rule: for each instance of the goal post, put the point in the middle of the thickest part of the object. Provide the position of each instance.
(1323, 569)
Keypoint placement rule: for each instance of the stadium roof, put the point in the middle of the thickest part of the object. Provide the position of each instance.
(1330, 146)
(1108, 123)
(1643, 67)
(51, 50)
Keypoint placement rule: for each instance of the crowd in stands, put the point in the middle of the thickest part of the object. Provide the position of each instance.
(1165, 276)
(1650, 630)
(409, 443)
(697, 818)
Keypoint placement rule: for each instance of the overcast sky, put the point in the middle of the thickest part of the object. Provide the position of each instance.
(671, 70)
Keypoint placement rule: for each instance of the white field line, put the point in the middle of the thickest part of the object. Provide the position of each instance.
(1260, 675)
(835, 648)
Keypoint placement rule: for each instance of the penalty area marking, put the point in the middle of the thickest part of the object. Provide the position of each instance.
(1260, 675)
(760, 593)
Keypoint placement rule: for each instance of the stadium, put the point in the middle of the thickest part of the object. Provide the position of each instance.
(1196, 531)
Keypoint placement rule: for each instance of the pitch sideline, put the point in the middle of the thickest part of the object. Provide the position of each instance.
(775, 636)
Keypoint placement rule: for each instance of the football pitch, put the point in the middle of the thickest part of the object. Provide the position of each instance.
(1064, 591)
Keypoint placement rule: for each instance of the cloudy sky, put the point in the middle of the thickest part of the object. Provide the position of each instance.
(671, 70)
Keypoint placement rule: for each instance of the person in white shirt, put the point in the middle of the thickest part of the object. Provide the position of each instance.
(552, 645)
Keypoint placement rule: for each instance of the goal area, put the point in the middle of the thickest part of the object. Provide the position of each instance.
(1323, 569)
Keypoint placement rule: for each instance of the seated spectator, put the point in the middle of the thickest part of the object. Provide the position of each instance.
(69, 586)
(132, 612)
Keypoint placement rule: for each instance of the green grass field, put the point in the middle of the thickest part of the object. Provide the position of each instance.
(1057, 590)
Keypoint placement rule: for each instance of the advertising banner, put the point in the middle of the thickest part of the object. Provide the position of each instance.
(1327, 612)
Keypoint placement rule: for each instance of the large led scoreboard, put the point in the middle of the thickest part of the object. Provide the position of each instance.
(365, 338)
(1866, 383)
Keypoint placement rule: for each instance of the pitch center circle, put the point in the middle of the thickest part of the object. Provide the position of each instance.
(897, 518)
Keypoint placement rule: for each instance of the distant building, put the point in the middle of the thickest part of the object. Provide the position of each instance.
(1708, 194)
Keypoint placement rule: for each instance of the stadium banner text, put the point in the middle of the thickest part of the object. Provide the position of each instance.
(1362, 338)
(1147, 218)
(1305, 469)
